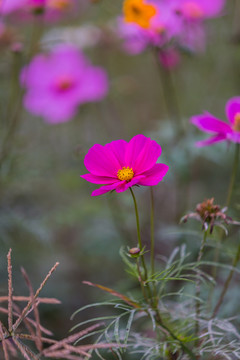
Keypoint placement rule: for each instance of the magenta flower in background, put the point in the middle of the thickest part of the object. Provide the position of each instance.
(221, 130)
(121, 164)
(58, 82)
(199, 9)
(48, 10)
(10, 6)
(162, 28)
(176, 22)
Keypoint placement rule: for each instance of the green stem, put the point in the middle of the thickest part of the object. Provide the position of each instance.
(17, 94)
(233, 175)
(140, 245)
(183, 346)
(227, 282)
(154, 308)
(228, 201)
(141, 281)
(152, 233)
(139, 234)
(235, 21)
(153, 247)
(198, 283)
(169, 92)
(15, 102)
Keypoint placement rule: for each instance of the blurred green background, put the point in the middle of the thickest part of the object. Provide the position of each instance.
(47, 213)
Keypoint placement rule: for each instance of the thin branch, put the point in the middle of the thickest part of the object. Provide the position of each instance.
(33, 338)
(35, 309)
(5, 351)
(10, 292)
(22, 349)
(28, 306)
(42, 300)
(72, 338)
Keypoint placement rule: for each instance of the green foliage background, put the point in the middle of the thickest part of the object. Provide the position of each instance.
(47, 213)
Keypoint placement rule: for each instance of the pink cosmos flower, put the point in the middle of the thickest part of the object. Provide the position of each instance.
(221, 130)
(178, 22)
(57, 83)
(121, 164)
(196, 10)
(49, 10)
(164, 25)
(9, 6)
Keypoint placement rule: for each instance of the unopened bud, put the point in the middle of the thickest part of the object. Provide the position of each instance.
(134, 252)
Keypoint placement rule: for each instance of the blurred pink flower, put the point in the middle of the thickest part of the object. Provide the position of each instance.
(199, 9)
(221, 130)
(178, 22)
(121, 164)
(9, 6)
(57, 83)
(162, 28)
(49, 10)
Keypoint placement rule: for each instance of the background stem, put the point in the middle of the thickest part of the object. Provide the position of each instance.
(227, 283)
(198, 283)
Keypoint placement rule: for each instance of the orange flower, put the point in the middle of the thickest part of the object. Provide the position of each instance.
(138, 12)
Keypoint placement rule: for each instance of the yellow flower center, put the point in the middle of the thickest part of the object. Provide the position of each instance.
(126, 173)
(236, 125)
(138, 12)
(59, 4)
(64, 83)
(193, 10)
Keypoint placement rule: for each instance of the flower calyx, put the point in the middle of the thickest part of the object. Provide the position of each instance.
(210, 215)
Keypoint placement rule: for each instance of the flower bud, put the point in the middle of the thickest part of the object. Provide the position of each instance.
(134, 252)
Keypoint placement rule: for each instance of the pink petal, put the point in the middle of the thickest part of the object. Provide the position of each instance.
(101, 161)
(118, 150)
(212, 140)
(94, 85)
(154, 175)
(234, 137)
(142, 153)
(99, 179)
(45, 105)
(210, 124)
(233, 108)
(211, 7)
(104, 189)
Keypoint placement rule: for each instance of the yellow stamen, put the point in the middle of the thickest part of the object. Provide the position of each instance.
(236, 125)
(138, 12)
(126, 173)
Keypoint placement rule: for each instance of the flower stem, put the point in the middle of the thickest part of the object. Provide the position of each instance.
(140, 240)
(141, 281)
(183, 346)
(228, 201)
(152, 232)
(153, 247)
(169, 92)
(233, 175)
(153, 305)
(198, 283)
(235, 21)
(14, 109)
(227, 282)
